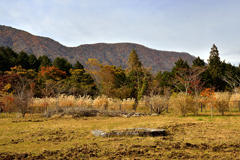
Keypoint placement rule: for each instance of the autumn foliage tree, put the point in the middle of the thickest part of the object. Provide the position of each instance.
(53, 73)
(6, 81)
(22, 88)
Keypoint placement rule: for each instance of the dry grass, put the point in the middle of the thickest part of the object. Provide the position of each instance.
(190, 137)
(234, 100)
(100, 102)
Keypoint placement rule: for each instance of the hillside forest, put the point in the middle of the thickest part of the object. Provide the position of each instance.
(24, 76)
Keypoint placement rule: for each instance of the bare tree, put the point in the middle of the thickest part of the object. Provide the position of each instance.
(233, 82)
(22, 94)
(188, 80)
(59, 87)
(185, 77)
(158, 103)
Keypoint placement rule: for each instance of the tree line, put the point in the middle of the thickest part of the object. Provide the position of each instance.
(44, 77)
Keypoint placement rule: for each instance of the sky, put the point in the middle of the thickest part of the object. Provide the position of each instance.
(191, 26)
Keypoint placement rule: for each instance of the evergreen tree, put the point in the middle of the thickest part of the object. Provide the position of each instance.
(133, 60)
(23, 60)
(214, 58)
(33, 62)
(12, 57)
(215, 69)
(78, 65)
(180, 64)
(137, 76)
(7, 58)
(4, 66)
(62, 64)
(44, 61)
(198, 62)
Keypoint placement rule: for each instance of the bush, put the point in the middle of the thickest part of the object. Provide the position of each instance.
(157, 103)
(222, 102)
(183, 104)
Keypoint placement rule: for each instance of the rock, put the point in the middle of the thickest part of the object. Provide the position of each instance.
(97, 133)
(130, 132)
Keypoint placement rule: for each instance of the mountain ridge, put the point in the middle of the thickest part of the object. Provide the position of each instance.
(107, 53)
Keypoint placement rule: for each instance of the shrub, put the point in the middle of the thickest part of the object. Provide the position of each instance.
(157, 103)
(182, 104)
(222, 102)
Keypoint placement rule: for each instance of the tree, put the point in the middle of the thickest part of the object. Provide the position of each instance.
(33, 62)
(180, 64)
(157, 103)
(59, 87)
(78, 65)
(62, 64)
(94, 67)
(137, 76)
(22, 94)
(187, 77)
(29, 74)
(44, 61)
(53, 73)
(22, 87)
(3, 62)
(215, 68)
(133, 60)
(231, 77)
(23, 60)
(81, 83)
(112, 79)
(198, 62)
(7, 58)
(165, 79)
(6, 81)
(214, 58)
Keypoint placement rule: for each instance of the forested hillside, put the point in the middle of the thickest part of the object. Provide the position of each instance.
(111, 54)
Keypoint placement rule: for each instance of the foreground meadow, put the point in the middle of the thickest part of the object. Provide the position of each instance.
(201, 137)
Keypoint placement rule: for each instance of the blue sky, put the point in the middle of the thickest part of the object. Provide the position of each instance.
(191, 26)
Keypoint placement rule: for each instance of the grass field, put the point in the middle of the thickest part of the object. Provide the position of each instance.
(191, 137)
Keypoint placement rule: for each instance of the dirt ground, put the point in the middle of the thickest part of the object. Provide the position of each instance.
(191, 137)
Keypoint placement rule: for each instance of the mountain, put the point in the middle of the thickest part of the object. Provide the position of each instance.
(112, 54)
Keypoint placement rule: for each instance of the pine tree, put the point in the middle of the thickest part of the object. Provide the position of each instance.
(214, 58)
(44, 61)
(23, 60)
(62, 64)
(215, 68)
(78, 65)
(33, 62)
(133, 60)
(198, 62)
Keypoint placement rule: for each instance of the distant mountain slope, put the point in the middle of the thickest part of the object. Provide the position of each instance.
(113, 54)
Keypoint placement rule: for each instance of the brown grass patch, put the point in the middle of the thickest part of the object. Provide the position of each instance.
(199, 137)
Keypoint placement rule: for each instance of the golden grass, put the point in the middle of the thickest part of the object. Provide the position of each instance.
(234, 100)
(100, 102)
(24, 136)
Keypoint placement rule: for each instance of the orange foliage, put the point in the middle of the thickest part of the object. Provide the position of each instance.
(8, 102)
(208, 95)
(54, 73)
(44, 104)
